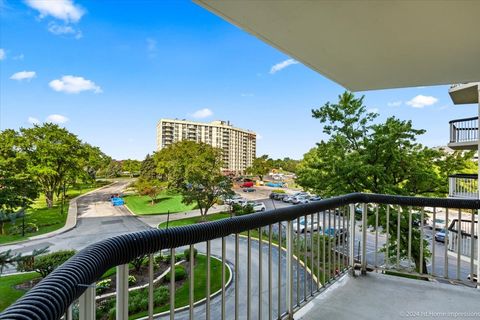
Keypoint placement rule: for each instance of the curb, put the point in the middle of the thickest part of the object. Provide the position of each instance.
(70, 223)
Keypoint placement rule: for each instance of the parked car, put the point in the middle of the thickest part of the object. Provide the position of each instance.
(280, 196)
(291, 197)
(315, 198)
(247, 184)
(232, 199)
(305, 226)
(440, 235)
(339, 234)
(439, 223)
(259, 206)
(274, 184)
(301, 199)
(249, 190)
(240, 201)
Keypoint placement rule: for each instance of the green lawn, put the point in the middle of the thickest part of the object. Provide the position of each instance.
(188, 221)
(46, 219)
(8, 293)
(200, 275)
(165, 203)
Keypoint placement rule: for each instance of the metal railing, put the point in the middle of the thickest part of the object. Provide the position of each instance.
(464, 130)
(293, 252)
(463, 186)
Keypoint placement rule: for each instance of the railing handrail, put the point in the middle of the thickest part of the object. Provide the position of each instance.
(50, 298)
(463, 120)
(464, 176)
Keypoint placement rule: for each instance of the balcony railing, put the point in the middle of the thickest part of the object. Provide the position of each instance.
(463, 186)
(464, 130)
(280, 259)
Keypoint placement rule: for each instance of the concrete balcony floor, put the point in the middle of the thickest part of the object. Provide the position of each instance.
(378, 296)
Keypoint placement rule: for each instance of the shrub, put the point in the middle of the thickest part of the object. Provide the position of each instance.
(278, 191)
(29, 228)
(186, 254)
(160, 296)
(132, 280)
(180, 274)
(138, 262)
(103, 285)
(45, 264)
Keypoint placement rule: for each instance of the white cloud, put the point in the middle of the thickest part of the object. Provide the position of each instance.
(394, 103)
(57, 118)
(259, 136)
(73, 84)
(374, 110)
(421, 101)
(19, 57)
(23, 75)
(64, 30)
(33, 120)
(3, 55)
(65, 10)
(282, 65)
(202, 113)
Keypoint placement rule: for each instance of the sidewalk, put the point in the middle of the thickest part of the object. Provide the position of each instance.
(154, 220)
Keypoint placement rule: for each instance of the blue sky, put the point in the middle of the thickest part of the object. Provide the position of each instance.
(109, 70)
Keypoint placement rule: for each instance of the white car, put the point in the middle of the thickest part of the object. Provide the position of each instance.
(439, 223)
(303, 227)
(232, 199)
(257, 206)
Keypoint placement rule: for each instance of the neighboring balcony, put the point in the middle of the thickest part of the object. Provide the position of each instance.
(463, 186)
(464, 134)
(464, 93)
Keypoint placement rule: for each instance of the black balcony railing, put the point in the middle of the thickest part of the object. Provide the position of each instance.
(315, 243)
(464, 130)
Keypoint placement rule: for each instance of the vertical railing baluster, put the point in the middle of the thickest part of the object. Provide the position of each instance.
(192, 282)
(237, 268)
(312, 265)
(249, 273)
(387, 245)
(297, 254)
(172, 283)
(399, 213)
(260, 272)
(376, 235)
(472, 245)
(447, 236)
(433, 240)
(69, 313)
(305, 257)
(364, 239)
(422, 213)
(459, 242)
(86, 304)
(289, 282)
(329, 263)
(224, 261)
(351, 245)
(150, 286)
(208, 282)
(318, 250)
(279, 273)
(409, 236)
(122, 292)
(270, 307)
(344, 239)
(334, 251)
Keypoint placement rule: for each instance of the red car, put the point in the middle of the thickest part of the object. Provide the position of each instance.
(247, 184)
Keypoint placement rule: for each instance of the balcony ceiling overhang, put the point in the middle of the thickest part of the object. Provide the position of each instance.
(368, 45)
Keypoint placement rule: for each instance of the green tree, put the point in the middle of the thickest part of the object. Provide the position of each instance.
(131, 166)
(148, 168)
(261, 166)
(54, 156)
(18, 188)
(194, 170)
(151, 188)
(362, 156)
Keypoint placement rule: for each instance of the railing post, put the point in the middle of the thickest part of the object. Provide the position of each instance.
(87, 303)
(351, 239)
(364, 239)
(289, 282)
(69, 313)
(122, 292)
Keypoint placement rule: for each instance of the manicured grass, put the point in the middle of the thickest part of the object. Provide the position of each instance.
(165, 203)
(200, 277)
(189, 221)
(46, 219)
(8, 293)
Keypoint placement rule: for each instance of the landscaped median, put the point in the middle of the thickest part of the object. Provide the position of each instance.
(163, 204)
(39, 219)
(13, 287)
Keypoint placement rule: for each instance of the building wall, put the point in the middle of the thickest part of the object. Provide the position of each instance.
(238, 145)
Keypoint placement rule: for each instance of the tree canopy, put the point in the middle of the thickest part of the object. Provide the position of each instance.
(261, 166)
(194, 170)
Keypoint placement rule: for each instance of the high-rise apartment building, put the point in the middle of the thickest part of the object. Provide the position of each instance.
(238, 145)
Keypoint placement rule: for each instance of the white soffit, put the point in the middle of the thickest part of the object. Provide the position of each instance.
(368, 45)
